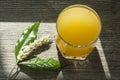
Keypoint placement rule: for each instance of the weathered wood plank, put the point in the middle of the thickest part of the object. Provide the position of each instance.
(91, 66)
(17, 13)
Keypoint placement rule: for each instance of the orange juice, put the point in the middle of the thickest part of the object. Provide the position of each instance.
(78, 27)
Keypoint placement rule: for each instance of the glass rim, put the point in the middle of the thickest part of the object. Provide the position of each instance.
(84, 6)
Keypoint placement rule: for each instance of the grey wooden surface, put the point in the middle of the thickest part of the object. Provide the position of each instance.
(16, 15)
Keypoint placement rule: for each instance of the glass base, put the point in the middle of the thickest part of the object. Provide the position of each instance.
(82, 58)
(74, 57)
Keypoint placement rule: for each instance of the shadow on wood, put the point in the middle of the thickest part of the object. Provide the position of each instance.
(91, 68)
(37, 75)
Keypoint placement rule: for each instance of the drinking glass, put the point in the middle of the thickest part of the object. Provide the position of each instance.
(78, 27)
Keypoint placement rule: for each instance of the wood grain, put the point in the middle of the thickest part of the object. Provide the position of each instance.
(16, 16)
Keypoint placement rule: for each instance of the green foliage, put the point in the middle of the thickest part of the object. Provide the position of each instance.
(28, 36)
(40, 64)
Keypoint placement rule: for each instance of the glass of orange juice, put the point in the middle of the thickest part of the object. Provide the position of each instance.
(78, 27)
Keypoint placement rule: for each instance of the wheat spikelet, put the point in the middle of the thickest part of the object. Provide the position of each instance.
(26, 50)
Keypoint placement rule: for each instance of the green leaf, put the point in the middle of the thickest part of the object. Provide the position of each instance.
(40, 64)
(28, 36)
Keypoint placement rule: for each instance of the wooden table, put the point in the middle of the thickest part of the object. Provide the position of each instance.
(103, 63)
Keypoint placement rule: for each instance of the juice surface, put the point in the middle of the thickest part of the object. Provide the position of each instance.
(77, 26)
